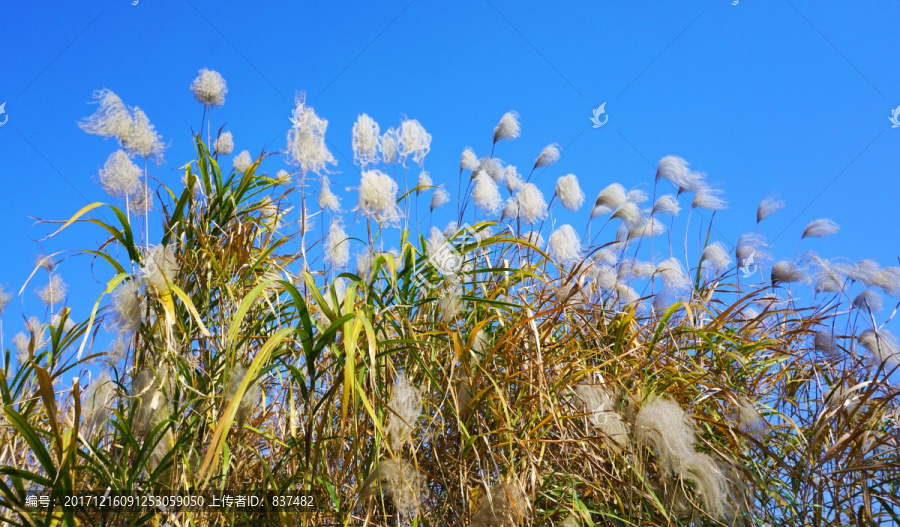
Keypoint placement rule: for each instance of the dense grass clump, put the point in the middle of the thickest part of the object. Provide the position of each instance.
(473, 375)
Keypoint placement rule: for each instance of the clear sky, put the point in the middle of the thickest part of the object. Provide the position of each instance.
(769, 96)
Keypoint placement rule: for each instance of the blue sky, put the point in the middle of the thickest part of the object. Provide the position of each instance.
(779, 96)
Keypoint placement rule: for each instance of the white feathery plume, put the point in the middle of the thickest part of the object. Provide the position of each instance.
(21, 342)
(306, 146)
(127, 307)
(5, 299)
(366, 140)
(569, 192)
(510, 209)
(468, 160)
(787, 272)
(486, 195)
(389, 143)
(748, 417)
(120, 177)
(607, 255)
(820, 228)
(508, 128)
(337, 244)
(441, 197)
(251, 397)
(142, 138)
(673, 275)
(283, 177)
(626, 294)
(648, 228)
(513, 179)
(451, 229)
(142, 200)
(692, 182)
(662, 300)
(633, 268)
(888, 280)
(404, 407)
(564, 245)
(636, 196)
(531, 204)
(56, 319)
(666, 205)
(160, 267)
(768, 207)
(364, 263)
(506, 506)
(242, 161)
(224, 144)
(493, 167)
(883, 345)
(631, 215)
(94, 401)
(604, 276)
(548, 156)
(596, 402)
(827, 278)
(864, 271)
(414, 141)
(209, 88)
(825, 342)
(328, 200)
(868, 300)
(610, 198)
(424, 180)
(534, 238)
(715, 255)
(378, 198)
(673, 169)
(709, 198)
(112, 118)
(45, 262)
(54, 292)
(751, 245)
(401, 481)
(449, 304)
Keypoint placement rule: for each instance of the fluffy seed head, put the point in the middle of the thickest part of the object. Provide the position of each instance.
(127, 307)
(242, 161)
(306, 146)
(788, 272)
(54, 292)
(510, 209)
(513, 180)
(673, 169)
(390, 141)
(709, 198)
(120, 177)
(493, 167)
(401, 481)
(5, 299)
(868, 300)
(531, 204)
(569, 192)
(423, 181)
(715, 255)
(610, 198)
(666, 205)
(507, 506)
(337, 245)
(825, 342)
(95, 404)
(142, 138)
(883, 346)
(648, 228)
(564, 245)
(111, 119)
(224, 144)
(602, 415)
(751, 245)
(378, 198)
(508, 128)
(673, 275)
(404, 406)
(160, 267)
(251, 396)
(534, 238)
(548, 156)
(820, 228)
(328, 200)
(768, 207)
(888, 280)
(209, 88)
(468, 160)
(414, 141)
(366, 139)
(631, 215)
(486, 195)
(441, 197)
